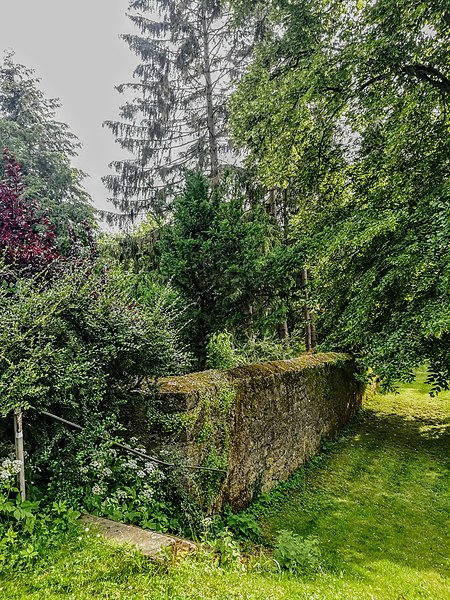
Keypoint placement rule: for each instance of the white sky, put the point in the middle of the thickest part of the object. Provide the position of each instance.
(74, 48)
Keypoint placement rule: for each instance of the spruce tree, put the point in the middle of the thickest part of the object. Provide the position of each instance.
(190, 54)
(44, 147)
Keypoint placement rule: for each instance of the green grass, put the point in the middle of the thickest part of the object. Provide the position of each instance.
(378, 501)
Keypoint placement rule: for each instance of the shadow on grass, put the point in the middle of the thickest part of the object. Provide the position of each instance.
(417, 434)
(382, 494)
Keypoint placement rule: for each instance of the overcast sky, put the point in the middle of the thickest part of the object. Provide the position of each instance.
(75, 49)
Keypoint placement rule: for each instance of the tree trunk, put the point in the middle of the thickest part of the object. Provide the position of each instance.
(211, 119)
(272, 204)
(283, 331)
(286, 213)
(310, 330)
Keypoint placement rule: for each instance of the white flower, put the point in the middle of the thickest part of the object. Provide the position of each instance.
(96, 489)
(9, 468)
(132, 464)
(150, 467)
(206, 522)
(147, 493)
(107, 472)
(16, 466)
(141, 474)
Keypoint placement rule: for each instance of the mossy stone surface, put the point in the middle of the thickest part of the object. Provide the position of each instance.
(260, 422)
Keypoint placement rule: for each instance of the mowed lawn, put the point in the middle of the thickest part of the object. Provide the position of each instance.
(378, 501)
(380, 504)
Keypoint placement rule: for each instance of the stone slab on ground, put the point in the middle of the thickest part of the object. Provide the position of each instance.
(149, 542)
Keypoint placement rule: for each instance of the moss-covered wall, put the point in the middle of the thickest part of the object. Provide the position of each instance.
(259, 422)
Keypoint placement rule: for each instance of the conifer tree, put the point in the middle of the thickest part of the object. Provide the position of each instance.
(190, 56)
(44, 147)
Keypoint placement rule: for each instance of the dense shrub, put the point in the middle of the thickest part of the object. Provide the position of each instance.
(80, 344)
(78, 347)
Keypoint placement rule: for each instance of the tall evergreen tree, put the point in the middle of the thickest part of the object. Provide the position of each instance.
(44, 147)
(227, 262)
(190, 54)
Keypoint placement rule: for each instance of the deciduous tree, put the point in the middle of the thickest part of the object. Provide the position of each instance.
(27, 239)
(349, 105)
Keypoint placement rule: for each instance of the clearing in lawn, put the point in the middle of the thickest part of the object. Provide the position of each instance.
(377, 500)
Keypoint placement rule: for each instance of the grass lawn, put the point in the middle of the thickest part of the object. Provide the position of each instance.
(378, 501)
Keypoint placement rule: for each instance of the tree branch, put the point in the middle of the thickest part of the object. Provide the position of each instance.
(430, 75)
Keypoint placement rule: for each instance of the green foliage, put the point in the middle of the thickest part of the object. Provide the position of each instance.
(220, 351)
(267, 348)
(120, 486)
(217, 255)
(244, 526)
(80, 343)
(44, 147)
(297, 554)
(227, 550)
(78, 348)
(223, 352)
(27, 533)
(348, 109)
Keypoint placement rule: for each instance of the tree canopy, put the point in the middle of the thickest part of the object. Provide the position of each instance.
(218, 253)
(347, 105)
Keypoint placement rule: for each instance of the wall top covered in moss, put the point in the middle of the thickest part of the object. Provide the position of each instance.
(192, 382)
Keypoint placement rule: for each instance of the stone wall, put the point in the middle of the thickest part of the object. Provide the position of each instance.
(259, 422)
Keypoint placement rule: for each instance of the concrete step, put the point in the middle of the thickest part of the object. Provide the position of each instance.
(148, 542)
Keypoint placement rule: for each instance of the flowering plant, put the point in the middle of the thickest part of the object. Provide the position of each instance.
(127, 489)
(24, 531)
(120, 486)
